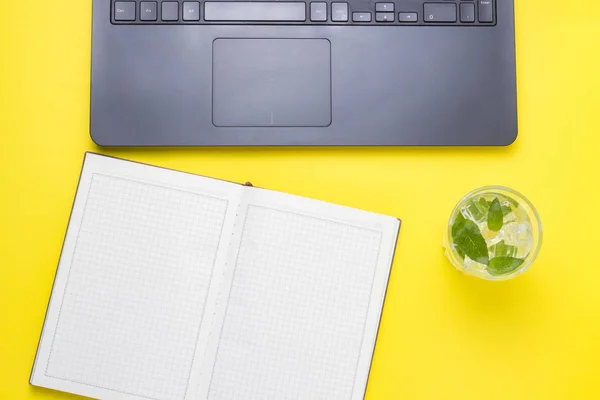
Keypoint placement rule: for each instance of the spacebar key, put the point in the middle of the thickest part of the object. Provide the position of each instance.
(254, 11)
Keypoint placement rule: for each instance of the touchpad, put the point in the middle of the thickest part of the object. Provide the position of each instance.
(271, 82)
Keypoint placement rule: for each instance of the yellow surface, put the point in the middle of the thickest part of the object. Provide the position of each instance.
(443, 335)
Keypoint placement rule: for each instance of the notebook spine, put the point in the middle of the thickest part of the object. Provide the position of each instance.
(218, 300)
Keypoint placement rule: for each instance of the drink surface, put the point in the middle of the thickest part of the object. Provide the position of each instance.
(491, 235)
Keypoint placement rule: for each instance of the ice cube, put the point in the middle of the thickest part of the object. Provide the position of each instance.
(523, 251)
(501, 249)
(491, 237)
(476, 210)
(505, 203)
(519, 234)
(510, 217)
(471, 265)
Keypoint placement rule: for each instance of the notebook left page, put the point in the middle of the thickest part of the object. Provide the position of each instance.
(137, 280)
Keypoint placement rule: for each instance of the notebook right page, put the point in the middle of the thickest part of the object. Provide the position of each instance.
(300, 307)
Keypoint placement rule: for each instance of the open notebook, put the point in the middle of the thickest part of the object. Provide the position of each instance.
(177, 286)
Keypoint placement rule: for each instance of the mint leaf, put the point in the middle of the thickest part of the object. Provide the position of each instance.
(495, 217)
(503, 265)
(468, 239)
(506, 210)
(484, 204)
(513, 202)
(461, 254)
(458, 223)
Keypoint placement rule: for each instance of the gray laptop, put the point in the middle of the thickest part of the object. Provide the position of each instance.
(333, 72)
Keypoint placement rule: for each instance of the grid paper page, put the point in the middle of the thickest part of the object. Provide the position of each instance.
(136, 288)
(297, 308)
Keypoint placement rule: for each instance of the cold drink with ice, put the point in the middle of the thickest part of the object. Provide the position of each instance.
(493, 233)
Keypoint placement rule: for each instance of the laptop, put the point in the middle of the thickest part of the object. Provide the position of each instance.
(287, 73)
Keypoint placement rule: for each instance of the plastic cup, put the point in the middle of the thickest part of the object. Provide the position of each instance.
(511, 249)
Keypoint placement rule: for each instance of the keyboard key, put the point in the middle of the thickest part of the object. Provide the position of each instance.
(361, 16)
(124, 11)
(339, 12)
(318, 12)
(384, 17)
(191, 11)
(486, 11)
(440, 12)
(254, 11)
(407, 17)
(148, 11)
(467, 12)
(384, 7)
(169, 11)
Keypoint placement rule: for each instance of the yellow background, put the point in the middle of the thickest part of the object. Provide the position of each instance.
(443, 335)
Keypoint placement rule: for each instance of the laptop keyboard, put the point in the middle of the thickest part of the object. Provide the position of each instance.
(330, 12)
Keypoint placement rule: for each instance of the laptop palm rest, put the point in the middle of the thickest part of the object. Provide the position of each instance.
(271, 83)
